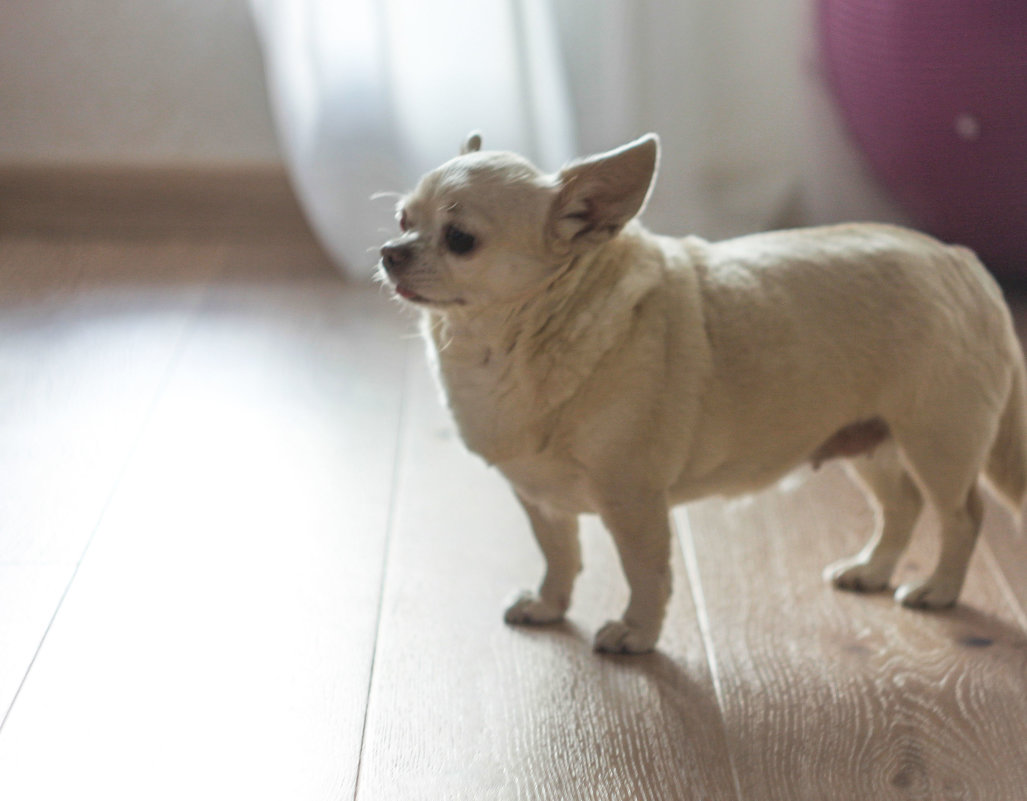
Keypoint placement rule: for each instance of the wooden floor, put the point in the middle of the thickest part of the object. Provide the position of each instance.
(229, 508)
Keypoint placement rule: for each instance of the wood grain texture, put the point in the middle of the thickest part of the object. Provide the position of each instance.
(217, 640)
(834, 695)
(465, 707)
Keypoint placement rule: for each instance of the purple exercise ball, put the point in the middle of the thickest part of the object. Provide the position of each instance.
(935, 94)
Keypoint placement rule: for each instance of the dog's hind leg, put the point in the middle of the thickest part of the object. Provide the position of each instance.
(947, 462)
(960, 526)
(897, 503)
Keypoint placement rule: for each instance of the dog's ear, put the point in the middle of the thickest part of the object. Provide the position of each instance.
(472, 144)
(597, 196)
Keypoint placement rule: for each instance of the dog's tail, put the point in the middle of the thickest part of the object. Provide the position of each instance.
(1007, 463)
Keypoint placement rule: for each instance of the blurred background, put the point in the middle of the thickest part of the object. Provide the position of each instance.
(771, 114)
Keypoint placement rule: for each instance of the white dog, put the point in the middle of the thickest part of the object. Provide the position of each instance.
(607, 370)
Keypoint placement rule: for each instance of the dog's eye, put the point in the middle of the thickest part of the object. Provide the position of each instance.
(404, 221)
(458, 241)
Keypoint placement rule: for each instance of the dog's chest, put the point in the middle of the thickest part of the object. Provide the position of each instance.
(492, 405)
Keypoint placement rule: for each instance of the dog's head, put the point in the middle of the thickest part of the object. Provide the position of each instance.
(488, 227)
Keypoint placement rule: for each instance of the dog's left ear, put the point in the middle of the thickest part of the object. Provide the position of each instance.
(472, 144)
(597, 197)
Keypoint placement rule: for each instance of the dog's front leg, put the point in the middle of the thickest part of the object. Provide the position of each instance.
(640, 525)
(557, 535)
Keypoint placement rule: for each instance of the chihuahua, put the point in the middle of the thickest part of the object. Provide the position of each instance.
(604, 369)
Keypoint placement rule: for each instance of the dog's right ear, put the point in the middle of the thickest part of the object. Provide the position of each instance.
(597, 197)
(472, 144)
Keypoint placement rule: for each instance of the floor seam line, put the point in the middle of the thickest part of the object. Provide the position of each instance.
(686, 540)
(395, 483)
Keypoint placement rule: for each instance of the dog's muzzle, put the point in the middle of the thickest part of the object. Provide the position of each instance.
(396, 258)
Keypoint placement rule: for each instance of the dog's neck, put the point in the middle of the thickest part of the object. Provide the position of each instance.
(506, 364)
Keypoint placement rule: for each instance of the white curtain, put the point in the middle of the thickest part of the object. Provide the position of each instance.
(369, 94)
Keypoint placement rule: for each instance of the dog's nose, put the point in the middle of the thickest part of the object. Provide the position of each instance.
(395, 257)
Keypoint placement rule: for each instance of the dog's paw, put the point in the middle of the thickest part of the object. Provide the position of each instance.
(857, 575)
(928, 594)
(618, 637)
(528, 608)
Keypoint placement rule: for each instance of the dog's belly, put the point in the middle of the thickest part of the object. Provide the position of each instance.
(747, 472)
(736, 478)
(550, 483)
(564, 486)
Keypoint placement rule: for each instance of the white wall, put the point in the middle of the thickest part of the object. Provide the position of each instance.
(132, 82)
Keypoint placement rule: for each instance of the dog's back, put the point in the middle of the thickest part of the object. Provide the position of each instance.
(820, 329)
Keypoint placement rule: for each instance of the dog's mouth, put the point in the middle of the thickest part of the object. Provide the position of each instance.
(414, 297)
(409, 294)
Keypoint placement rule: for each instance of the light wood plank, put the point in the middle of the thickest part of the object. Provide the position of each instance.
(835, 695)
(464, 707)
(87, 334)
(217, 640)
(29, 595)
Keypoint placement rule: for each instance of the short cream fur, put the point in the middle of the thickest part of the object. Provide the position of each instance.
(604, 369)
